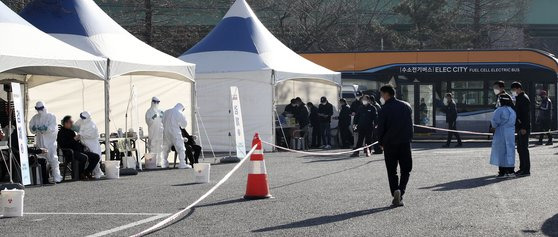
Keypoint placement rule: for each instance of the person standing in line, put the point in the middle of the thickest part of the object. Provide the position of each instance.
(325, 111)
(523, 128)
(364, 120)
(315, 124)
(301, 116)
(395, 133)
(377, 148)
(451, 120)
(545, 118)
(345, 124)
(503, 142)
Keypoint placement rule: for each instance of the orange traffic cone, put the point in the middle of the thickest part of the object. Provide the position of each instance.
(257, 187)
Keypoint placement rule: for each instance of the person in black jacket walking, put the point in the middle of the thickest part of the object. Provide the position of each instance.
(395, 132)
(523, 128)
(68, 139)
(364, 120)
(451, 119)
(345, 124)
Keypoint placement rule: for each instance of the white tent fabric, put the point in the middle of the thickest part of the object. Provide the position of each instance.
(241, 52)
(132, 64)
(25, 50)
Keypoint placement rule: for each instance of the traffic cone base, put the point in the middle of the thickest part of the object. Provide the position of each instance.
(257, 188)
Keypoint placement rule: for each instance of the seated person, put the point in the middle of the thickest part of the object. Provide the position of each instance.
(192, 150)
(68, 139)
(33, 159)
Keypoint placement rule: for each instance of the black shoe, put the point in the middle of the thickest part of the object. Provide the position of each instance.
(397, 199)
(521, 173)
(459, 145)
(355, 154)
(549, 143)
(539, 143)
(501, 175)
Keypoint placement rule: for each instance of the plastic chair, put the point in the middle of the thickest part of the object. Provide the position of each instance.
(68, 163)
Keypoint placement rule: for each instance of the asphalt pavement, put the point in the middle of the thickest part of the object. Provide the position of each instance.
(452, 192)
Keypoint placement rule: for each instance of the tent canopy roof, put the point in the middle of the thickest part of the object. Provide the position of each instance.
(84, 24)
(26, 50)
(240, 42)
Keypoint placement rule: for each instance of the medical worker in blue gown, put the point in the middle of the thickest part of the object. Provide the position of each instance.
(503, 143)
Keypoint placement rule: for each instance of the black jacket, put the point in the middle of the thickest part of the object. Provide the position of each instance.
(395, 125)
(355, 106)
(314, 118)
(289, 109)
(301, 116)
(378, 111)
(345, 116)
(522, 109)
(546, 110)
(326, 109)
(451, 112)
(365, 117)
(185, 134)
(66, 140)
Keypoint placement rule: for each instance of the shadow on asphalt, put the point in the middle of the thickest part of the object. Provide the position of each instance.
(321, 176)
(226, 202)
(550, 226)
(186, 184)
(465, 184)
(322, 220)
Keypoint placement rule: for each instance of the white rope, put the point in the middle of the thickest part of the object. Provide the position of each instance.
(475, 133)
(179, 215)
(319, 153)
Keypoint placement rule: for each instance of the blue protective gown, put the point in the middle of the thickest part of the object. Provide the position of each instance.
(503, 143)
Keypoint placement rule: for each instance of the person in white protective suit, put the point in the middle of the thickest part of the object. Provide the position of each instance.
(89, 137)
(154, 120)
(43, 125)
(173, 120)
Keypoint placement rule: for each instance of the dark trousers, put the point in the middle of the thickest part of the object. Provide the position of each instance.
(325, 129)
(453, 126)
(398, 154)
(193, 153)
(545, 126)
(83, 157)
(346, 136)
(364, 136)
(506, 170)
(316, 135)
(523, 151)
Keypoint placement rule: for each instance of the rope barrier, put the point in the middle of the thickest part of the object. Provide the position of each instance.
(477, 133)
(179, 215)
(319, 153)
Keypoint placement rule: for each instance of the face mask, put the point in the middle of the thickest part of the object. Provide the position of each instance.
(446, 101)
(365, 102)
(496, 91)
(514, 93)
(382, 101)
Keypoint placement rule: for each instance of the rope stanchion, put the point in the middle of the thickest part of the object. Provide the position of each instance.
(179, 215)
(319, 153)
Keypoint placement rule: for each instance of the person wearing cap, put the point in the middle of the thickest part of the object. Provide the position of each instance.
(325, 111)
(43, 125)
(154, 121)
(173, 122)
(89, 137)
(522, 127)
(503, 142)
(545, 118)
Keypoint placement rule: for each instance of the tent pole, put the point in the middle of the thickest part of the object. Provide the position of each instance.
(107, 112)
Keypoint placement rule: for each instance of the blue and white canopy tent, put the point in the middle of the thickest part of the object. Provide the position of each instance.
(133, 65)
(240, 51)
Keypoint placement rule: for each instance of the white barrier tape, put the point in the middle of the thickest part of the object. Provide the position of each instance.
(477, 133)
(258, 167)
(178, 216)
(319, 153)
(258, 152)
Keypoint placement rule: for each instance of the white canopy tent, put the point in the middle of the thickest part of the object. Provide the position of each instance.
(241, 52)
(30, 56)
(133, 66)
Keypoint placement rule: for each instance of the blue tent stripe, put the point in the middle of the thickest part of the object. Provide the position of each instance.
(232, 34)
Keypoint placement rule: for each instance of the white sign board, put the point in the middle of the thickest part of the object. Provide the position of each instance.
(21, 133)
(238, 125)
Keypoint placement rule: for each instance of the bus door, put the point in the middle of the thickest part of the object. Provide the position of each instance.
(421, 98)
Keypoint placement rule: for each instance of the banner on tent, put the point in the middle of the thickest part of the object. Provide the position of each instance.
(21, 133)
(238, 125)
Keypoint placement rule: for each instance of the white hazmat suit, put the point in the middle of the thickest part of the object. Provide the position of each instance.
(173, 120)
(89, 137)
(43, 125)
(154, 120)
